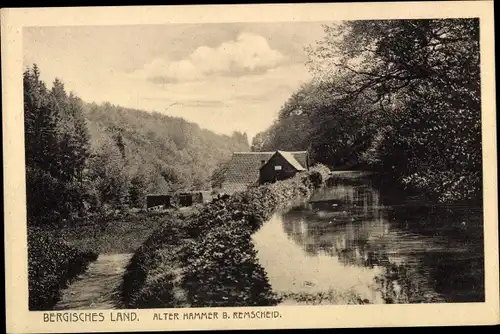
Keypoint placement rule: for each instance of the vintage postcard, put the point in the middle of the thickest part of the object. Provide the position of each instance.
(250, 166)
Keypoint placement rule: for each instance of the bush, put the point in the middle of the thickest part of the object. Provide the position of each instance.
(223, 270)
(147, 258)
(323, 170)
(207, 258)
(316, 179)
(51, 266)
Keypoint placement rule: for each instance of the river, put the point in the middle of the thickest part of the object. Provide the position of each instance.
(354, 242)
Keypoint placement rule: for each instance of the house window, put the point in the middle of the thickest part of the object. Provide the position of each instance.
(277, 167)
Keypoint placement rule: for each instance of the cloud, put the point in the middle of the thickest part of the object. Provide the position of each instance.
(232, 82)
(248, 54)
(275, 84)
(223, 104)
(189, 103)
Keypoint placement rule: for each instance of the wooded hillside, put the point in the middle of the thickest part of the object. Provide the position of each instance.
(83, 157)
(158, 153)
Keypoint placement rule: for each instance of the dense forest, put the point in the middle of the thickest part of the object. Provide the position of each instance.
(84, 157)
(397, 96)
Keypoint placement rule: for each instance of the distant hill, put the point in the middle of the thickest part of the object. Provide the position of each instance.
(163, 153)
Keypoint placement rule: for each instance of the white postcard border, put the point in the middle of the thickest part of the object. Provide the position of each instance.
(19, 319)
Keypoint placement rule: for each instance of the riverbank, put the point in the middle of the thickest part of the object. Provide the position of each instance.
(208, 258)
(350, 246)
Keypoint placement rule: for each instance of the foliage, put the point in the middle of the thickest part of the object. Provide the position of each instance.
(206, 257)
(109, 157)
(84, 162)
(154, 261)
(399, 96)
(57, 148)
(218, 175)
(107, 176)
(154, 153)
(137, 190)
(319, 174)
(51, 266)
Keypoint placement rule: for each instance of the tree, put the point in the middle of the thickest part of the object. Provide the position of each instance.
(218, 174)
(398, 96)
(106, 170)
(80, 139)
(117, 135)
(56, 142)
(79, 154)
(258, 141)
(138, 190)
(41, 124)
(422, 76)
(240, 137)
(333, 129)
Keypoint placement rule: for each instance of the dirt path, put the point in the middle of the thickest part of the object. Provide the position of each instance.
(97, 287)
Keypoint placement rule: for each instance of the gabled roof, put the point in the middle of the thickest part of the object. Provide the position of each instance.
(244, 166)
(291, 160)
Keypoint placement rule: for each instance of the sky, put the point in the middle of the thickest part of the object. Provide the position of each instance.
(224, 77)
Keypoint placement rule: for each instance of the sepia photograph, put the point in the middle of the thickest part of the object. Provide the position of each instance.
(198, 165)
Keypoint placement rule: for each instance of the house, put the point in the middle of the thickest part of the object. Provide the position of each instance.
(245, 168)
(280, 166)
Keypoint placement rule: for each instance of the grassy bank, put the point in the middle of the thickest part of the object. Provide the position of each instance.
(122, 233)
(206, 257)
(52, 265)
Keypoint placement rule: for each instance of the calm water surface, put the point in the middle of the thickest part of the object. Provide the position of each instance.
(354, 243)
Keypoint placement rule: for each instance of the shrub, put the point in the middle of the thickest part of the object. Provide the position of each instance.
(51, 266)
(146, 259)
(323, 170)
(316, 179)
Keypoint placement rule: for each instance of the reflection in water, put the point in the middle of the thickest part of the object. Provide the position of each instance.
(345, 240)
